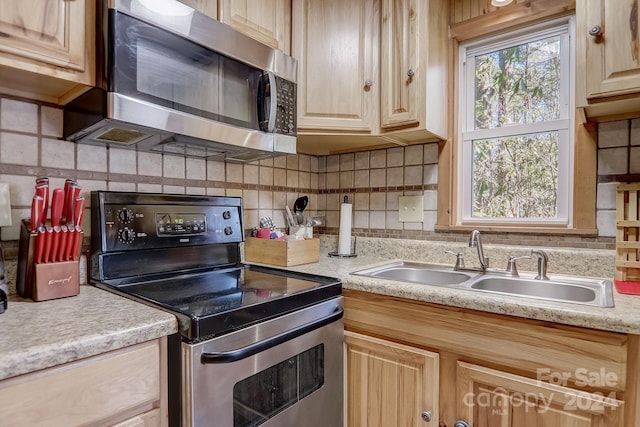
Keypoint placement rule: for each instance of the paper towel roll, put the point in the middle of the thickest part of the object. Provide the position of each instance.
(344, 238)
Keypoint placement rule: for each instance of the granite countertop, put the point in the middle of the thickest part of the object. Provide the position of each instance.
(624, 317)
(38, 335)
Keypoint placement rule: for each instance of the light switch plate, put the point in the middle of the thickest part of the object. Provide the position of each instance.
(411, 208)
(5, 205)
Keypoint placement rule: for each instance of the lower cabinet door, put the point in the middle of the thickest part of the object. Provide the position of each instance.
(389, 384)
(492, 398)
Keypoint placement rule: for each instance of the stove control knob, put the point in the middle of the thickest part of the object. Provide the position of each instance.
(125, 216)
(228, 230)
(127, 235)
(226, 214)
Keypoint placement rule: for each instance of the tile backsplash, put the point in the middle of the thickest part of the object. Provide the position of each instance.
(31, 146)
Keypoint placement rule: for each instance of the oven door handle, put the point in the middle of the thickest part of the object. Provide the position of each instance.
(250, 350)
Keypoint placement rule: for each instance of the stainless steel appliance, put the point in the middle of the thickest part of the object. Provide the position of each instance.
(172, 80)
(256, 345)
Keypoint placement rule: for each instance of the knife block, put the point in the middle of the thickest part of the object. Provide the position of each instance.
(45, 281)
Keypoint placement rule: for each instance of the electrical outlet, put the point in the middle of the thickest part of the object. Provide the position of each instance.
(411, 208)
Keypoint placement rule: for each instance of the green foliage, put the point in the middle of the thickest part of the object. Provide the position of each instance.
(517, 177)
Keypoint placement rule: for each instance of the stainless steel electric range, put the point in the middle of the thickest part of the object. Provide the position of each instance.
(256, 345)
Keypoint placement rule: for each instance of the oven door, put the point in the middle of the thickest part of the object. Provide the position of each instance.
(286, 371)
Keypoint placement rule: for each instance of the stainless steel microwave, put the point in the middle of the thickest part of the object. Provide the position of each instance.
(173, 80)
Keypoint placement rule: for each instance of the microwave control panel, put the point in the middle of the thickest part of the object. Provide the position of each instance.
(286, 101)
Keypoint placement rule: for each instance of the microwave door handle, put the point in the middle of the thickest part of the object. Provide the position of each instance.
(273, 109)
(250, 350)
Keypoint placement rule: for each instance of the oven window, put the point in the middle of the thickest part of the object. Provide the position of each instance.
(261, 396)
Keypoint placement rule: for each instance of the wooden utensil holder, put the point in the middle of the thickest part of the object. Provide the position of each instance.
(43, 281)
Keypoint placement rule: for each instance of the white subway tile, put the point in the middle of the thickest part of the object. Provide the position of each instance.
(430, 174)
(173, 167)
(346, 162)
(413, 154)
(606, 195)
(122, 161)
(612, 161)
(121, 186)
(395, 156)
(431, 153)
(144, 187)
(266, 175)
(58, 154)
(251, 174)
(51, 121)
(196, 169)
(234, 172)
(197, 191)
(18, 149)
(215, 171)
(606, 223)
(413, 175)
(377, 219)
(613, 134)
(18, 115)
(91, 158)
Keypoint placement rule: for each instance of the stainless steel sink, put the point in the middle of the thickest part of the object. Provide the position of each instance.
(415, 272)
(575, 290)
(582, 291)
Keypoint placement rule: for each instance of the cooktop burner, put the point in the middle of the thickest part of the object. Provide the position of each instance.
(219, 301)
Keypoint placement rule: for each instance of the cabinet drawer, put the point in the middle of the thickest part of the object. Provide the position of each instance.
(85, 392)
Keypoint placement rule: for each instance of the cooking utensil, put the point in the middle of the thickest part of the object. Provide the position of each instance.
(62, 245)
(36, 212)
(289, 216)
(298, 207)
(43, 184)
(78, 211)
(48, 239)
(57, 205)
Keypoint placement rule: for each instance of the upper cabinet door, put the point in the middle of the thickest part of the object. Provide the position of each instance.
(336, 44)
(268, 21)
(47, 50)
(609, 32)
(400, 72)
(413, 69)
(208, 7)
(51, 32)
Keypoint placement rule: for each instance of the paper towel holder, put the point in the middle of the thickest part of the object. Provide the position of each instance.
(351, 255)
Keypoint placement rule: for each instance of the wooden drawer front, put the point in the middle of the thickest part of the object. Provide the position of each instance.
(524, 345)
(85, 392)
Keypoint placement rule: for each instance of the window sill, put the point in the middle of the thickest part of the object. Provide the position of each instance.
(591, 232)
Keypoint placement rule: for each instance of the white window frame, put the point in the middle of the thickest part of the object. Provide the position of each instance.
(565, 28)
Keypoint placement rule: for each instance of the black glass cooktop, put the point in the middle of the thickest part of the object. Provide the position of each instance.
(216, 302)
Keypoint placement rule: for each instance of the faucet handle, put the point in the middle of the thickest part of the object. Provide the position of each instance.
(511, 264)
(459, 259)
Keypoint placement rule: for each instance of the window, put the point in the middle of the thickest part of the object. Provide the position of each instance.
(516, 127)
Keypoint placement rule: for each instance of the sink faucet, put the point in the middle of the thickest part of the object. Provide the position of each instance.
(475, 242)
(543, 259)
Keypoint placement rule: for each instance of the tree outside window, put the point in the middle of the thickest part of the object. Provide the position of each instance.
(516, 127)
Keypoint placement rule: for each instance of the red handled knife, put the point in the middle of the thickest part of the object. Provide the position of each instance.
(78, 211)
(55, 244)
(62, 249)
(77, 244)
(40, 242)
(48, 237)
(36, 212)
(43, 184)
(57, 204)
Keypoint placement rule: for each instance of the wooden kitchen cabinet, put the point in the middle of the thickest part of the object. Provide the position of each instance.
(268, 21)
(208, 7)
(336, 44)
(389, 384)
(47, 50)
(489, 397)
(126, 387)
(372, 70)
(608, 58)
(497, 370)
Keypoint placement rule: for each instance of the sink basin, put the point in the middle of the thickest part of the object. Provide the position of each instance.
(576, 290)
(580, 291)
(414, 272)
